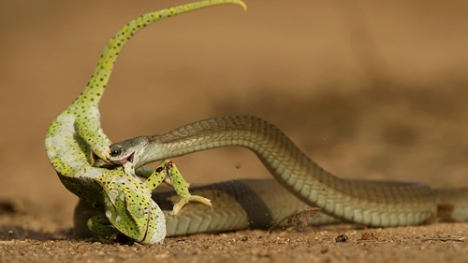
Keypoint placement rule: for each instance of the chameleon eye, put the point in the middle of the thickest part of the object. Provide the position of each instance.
(115, 152)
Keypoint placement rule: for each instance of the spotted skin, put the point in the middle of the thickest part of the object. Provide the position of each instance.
(129, 209)
(126, 201)
(75, 139)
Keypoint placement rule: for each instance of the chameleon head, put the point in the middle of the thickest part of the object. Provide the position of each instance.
(130, 209)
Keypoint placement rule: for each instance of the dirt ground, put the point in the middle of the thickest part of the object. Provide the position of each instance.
(369, 90)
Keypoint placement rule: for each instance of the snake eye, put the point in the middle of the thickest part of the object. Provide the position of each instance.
(115, 152)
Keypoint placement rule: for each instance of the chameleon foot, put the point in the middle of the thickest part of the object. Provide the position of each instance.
(185, 200)
(100, 225)
(169, 169)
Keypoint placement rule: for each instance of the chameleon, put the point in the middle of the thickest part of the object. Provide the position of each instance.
(75, 140)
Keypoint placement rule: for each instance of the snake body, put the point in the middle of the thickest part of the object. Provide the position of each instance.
(251, 204)
(371, 203)
(237, 205)
(264, 203)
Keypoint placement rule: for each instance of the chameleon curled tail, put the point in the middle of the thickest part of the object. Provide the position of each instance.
(75, 137)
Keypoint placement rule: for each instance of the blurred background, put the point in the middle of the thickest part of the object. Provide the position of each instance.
(368, 89)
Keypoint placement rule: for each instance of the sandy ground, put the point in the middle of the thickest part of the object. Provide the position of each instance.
(369, 90)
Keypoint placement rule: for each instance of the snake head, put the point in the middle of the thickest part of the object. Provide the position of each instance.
(128, 151)
(121, 155)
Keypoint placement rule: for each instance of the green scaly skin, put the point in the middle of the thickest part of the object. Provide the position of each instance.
(130, 209)
(75, 137)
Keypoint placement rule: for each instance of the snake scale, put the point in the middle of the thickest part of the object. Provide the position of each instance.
(371, 203)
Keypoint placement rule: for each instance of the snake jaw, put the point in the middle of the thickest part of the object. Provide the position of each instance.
(112, 163)
(121, 161)
(130, 158)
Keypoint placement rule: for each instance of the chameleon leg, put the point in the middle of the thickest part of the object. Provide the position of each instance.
(146, 171)
(168, 168)
(90, 130)
(100, 225)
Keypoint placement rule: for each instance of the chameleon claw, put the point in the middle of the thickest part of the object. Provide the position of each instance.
(184, 201)
(93, 159)
(99, 157)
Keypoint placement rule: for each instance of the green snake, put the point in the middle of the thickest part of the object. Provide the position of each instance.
(371, 203)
